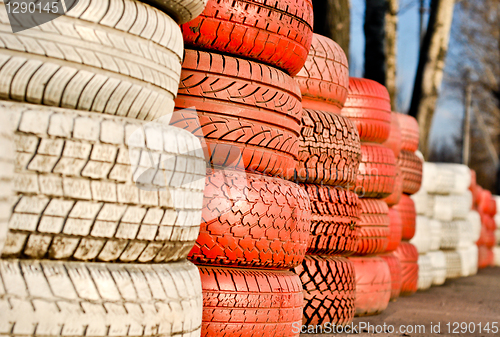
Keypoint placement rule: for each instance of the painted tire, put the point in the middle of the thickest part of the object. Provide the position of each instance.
(396, 274)
(377, 171)
(411, 168)
(395, 197)
(395, 229)
(374, 224)
(410, 133)
(408, 256)
(425, 272)
(406, 209)
(394, 142)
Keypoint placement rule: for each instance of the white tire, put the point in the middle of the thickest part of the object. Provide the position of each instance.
(461, 205)
(181, 11)
(471, 255)
(453, 264)
(462, 177)
(7, 155)
(425, 272)
(438, 262)
(474, 220)
(443, 207)
(438, 180)
(119, 57)
(435, 230)
(456, 234)
(496, 252)
(51, 298)
(91, 186)
(422, 238)
(424, 203)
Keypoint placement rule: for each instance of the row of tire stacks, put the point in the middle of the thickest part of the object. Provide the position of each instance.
(402, 256)
(368, 106)
(485, 204)
(447, 227)
(238, 96)
(107, 201)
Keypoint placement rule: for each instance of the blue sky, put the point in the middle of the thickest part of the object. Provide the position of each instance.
(447, 120)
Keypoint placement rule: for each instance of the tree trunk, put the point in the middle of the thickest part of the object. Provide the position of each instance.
(430, 67)
(391, 38)
(332, 18)
(375, 36)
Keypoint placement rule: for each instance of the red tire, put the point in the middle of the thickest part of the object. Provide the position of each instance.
(334, 220)
(410, 133)
(411, 168)
(486, 203)
(394, 140)
(324, 79)
(251, 220)
(408, 256)
(487, 237)
(396, 274)
(329, 150)
(377, 171)
(373, 285)
(486, 257)
(395, 229)
(329, 290)
(395, 197)
(374, 227)
(406, 209)
(278, 33)
(488, 222)
(243, 302)
(369, 106)
(248, 113)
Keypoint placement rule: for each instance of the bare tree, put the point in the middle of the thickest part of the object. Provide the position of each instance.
(430, 67)
(391, 28)
(332, 18)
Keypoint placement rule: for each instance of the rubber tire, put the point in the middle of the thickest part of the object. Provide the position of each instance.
(247, 113)
(250, 302)
(394, 142)
(395, 197)
(487, 204)
(115, 57)
(424, 203)
(395, 229)
(487, 238)
(374, 225)
(454, 264)
(251, 220)
(470, 258)
(377, 172)
(437, 180)
(278, 33)
(52, 298)
(329, 150)
(78, 196)
(462, 177)
(410, 132)
(411, 169)
(368, 105)
(408, 256)
(329, 290)
(438, 262)
(474, 220)
(335, 213)
(324, 79)
(7, 158)
(486, 257)
(488, 221)
(373, 285)
(436, 232)
(461, 205)
(181, 11)
(425, 272)
(406, 209)
(456, 234)
(396, 274)
(422, 238)
(442, 207)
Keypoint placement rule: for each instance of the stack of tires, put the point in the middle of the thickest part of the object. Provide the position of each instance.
(445, 205)
(368, 106)
(487, 207)
(329, 156)
(107, 201)
(403, 214)
(238, 96)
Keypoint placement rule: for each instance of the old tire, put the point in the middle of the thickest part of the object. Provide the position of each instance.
(425, 272)
(334, 220)
(395, 197)
(410, 133)
(422, 238)
(329, 290)
(394, 142)
(116, 57)
(278, 33)
(368, 105)
(395, 230)
(438, 263)
(437, 179)
(396, 274)
(486, 257)
(329, 150)
(53, 298)
(406, 209)
(411, 169)
(377, 171)
(248, 114)
(373, 225)
(373, 285)
(250, 302)
(424, 203)
(91, 186)
(408, 256)
(251, 220)
(181, 11)
(453, 264)
(436, 232)
(324, 79)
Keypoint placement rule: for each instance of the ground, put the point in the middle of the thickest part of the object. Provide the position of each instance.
(471, 300)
